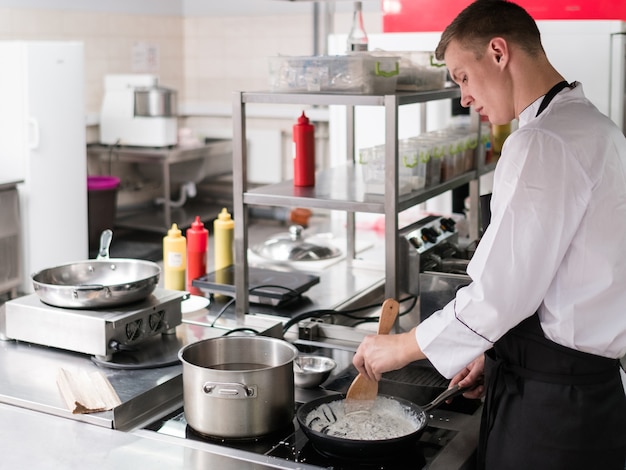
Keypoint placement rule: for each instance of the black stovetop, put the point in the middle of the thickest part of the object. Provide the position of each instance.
(291, 444)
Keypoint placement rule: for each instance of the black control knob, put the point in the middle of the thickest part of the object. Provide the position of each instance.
(416, 242)
(448, 224)
(429, 235)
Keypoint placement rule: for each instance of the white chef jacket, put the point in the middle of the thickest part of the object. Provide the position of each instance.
(556, 242)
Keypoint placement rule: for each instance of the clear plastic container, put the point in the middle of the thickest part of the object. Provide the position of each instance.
(432, 153)
(445, 147)
(372, 160)
(471, 152)
(412, 163)
(468, 143)
(419, 71)
(358, 73)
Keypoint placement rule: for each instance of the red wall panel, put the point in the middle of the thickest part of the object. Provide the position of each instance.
(435, 15)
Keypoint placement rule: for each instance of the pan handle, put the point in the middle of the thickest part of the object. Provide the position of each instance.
(105, 243)
(450, 393)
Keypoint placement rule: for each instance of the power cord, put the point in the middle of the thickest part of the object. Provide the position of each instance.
(251, 290)
(346, 313)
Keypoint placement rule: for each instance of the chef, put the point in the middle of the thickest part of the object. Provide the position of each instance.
(543, 322)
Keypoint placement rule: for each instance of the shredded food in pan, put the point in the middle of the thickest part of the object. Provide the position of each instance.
(386, 419)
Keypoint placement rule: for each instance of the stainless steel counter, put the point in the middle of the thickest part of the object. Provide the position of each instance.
(37, 428)
(35, 440)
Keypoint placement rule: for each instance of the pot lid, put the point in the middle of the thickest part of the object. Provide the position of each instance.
(292, 247)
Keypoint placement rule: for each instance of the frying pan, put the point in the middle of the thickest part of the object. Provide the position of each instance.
(365, 449)
(100, 283)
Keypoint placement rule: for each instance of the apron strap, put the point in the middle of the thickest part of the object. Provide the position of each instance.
(550, 96)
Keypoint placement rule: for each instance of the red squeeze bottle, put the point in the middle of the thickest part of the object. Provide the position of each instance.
(304, 152)
(197, 242)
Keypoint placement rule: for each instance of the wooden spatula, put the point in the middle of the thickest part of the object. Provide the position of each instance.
(362, 388)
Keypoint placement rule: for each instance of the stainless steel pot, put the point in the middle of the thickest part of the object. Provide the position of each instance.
(155, 102)
(103, 282)
(238, 386)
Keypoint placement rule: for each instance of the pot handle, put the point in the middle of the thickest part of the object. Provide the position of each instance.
(229, 390)
(105, 243)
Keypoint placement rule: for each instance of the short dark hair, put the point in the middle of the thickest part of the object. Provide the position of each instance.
(483, 20)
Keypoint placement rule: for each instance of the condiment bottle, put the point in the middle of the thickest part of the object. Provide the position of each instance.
(499, 134)
(304, 152)
(357, 38)
(174, 259)
(197, 242)
(223, 234)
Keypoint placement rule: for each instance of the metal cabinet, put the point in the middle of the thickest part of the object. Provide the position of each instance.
(10, 233)
(338, 188)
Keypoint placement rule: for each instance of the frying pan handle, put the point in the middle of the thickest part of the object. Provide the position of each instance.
(450, 393)
(105, 243)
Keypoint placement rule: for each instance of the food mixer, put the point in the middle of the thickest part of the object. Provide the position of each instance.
(136, 111)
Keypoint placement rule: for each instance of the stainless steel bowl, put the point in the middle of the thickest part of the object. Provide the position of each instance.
(155, 102)
(312, 371)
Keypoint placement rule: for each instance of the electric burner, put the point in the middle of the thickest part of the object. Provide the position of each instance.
(100, 332)
(292, 444)
(311, 455)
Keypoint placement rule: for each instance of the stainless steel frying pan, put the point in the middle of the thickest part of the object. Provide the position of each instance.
(100, 283)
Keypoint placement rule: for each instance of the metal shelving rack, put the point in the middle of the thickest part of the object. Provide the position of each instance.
(338, 188)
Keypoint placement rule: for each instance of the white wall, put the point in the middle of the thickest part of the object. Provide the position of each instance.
(202, 54)
(188, 7)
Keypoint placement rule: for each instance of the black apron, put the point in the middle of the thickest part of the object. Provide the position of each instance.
(548, 406)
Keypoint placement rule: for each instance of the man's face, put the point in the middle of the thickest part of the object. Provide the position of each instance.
(481, 82)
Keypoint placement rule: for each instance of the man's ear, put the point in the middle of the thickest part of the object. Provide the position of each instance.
(498, 48)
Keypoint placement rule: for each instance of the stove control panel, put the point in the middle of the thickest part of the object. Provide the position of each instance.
(430, 232)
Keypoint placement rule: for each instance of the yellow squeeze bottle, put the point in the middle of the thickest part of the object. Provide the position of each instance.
(223, 234)
(174, 259)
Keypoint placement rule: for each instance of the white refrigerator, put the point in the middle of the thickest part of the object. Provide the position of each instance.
(42, 143)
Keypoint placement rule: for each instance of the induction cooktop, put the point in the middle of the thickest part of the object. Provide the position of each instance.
(267, 286)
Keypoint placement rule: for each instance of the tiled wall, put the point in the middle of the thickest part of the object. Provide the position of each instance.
(108, 40)
(204, 58)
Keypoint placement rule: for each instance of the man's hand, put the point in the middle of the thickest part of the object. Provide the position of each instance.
(381, 353)
(473, 377)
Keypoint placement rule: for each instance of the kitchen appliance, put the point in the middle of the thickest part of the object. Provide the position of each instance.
(103, 282)
(136, 111)
(318, 416)
(42, 144)
(431, 244)
(448, 441)
(435, 262)
(267, 286)
(238, 386)
(99, 332)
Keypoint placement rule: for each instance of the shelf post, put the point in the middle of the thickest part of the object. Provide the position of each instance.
(240, 186)
(391, 198)
(351, 156)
